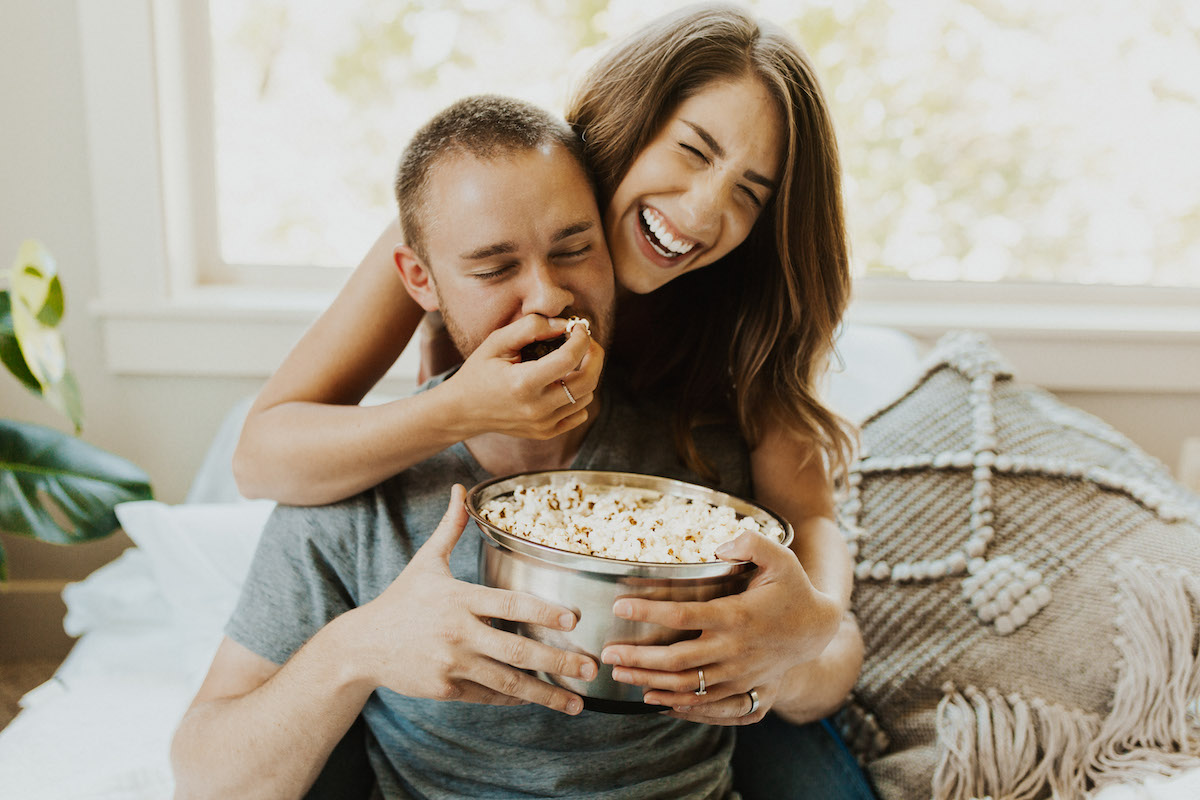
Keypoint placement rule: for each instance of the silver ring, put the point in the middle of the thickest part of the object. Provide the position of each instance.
(570, 396)
(753, 695)
(702, 690)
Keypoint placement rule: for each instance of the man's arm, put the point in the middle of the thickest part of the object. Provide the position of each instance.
(259, 730)
(256, 730)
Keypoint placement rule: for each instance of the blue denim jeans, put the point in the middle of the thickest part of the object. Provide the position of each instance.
(775, 760)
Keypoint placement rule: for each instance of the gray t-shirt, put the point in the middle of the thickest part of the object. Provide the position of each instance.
(316, 563)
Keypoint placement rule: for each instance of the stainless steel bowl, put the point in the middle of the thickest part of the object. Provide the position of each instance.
(589, 584)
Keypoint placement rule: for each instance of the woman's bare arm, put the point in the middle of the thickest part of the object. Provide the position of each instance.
(306, 441)
(791, 479)
(815, 689)
(785, 633)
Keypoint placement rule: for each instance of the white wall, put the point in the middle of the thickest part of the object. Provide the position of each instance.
(163, 423)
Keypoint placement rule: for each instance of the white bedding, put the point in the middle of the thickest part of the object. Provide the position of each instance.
(150, 621)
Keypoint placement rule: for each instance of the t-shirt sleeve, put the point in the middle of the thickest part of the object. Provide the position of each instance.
(298, 580)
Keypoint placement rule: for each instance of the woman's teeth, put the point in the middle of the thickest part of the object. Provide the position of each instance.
(663, 242)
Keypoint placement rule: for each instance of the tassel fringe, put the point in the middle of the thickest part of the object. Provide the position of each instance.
(1010, 748)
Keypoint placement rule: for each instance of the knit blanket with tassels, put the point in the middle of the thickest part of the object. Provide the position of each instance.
(1028, 589)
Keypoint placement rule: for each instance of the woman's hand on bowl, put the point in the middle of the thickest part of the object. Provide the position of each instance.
(738, 709)
(747, 641)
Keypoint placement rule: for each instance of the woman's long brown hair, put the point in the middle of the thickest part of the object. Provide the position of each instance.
(750, 335)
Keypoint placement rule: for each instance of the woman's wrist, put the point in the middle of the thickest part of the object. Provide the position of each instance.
(815, 689)
(451, 416)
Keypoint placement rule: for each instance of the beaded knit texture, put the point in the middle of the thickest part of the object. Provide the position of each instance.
(1002, 591)
(973, 498)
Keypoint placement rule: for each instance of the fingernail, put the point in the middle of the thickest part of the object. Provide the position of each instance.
(610, 657)
(566, 621)
(587, 671)
(622, 608)
(620, 675)
(683, 709)
(651, 701)
(574, 705)
(724, 550)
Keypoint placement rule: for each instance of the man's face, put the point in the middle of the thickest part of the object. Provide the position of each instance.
(516, 235)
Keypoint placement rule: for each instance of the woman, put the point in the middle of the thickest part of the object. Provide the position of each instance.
(716, 161)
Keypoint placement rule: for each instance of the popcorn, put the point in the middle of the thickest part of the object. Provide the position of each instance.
(573, 322)
(543, 347)
(620, 522)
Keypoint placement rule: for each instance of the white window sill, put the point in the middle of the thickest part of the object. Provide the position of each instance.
(217, 333)
(1097, 347)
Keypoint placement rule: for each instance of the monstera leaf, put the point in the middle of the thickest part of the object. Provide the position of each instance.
(59, 489)
(53, 487)
(31, 314)
(10, 349)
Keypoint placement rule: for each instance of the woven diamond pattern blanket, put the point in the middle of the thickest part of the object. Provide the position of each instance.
(1028, 587)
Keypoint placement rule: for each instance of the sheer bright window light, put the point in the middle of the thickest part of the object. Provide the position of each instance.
(1015, 141)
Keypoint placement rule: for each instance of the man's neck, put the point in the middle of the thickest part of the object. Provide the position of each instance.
(501, 454)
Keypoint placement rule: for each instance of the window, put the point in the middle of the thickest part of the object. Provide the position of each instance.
(987, 156)
(981, 141)
(313, 105)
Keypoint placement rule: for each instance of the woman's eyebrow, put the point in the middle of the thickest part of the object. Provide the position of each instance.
(719, 152)
(708, 139)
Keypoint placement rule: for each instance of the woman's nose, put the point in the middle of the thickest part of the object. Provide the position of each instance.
(703, 203)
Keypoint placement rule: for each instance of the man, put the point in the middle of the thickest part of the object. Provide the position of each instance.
(370, 605)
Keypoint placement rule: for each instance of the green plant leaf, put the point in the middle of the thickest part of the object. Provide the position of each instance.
(52, 310)
(35, 309)
(41, 345)
(59, 489)
(35, 283)
(64, 396)
(10, 350)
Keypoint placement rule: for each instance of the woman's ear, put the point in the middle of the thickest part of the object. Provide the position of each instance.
(416, 276)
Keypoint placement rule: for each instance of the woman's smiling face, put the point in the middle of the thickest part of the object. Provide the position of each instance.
(695, 191)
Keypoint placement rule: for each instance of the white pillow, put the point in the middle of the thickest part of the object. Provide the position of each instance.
(122, 592)
(198, 554)
(872, 367)
(213, 482)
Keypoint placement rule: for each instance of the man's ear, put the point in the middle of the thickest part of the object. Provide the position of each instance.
(416, 276)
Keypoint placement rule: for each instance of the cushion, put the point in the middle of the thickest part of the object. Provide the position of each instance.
(123, 592)
(198, 554)
(871, 365)
(1027, 585)
(213, 482)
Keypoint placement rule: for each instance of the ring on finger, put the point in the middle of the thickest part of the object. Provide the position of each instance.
(753, 695)
(703, 690)
(570, 396)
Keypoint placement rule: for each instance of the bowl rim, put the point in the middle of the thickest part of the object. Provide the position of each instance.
(498, 537)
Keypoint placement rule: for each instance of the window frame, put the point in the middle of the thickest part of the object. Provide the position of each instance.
(168, 306)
